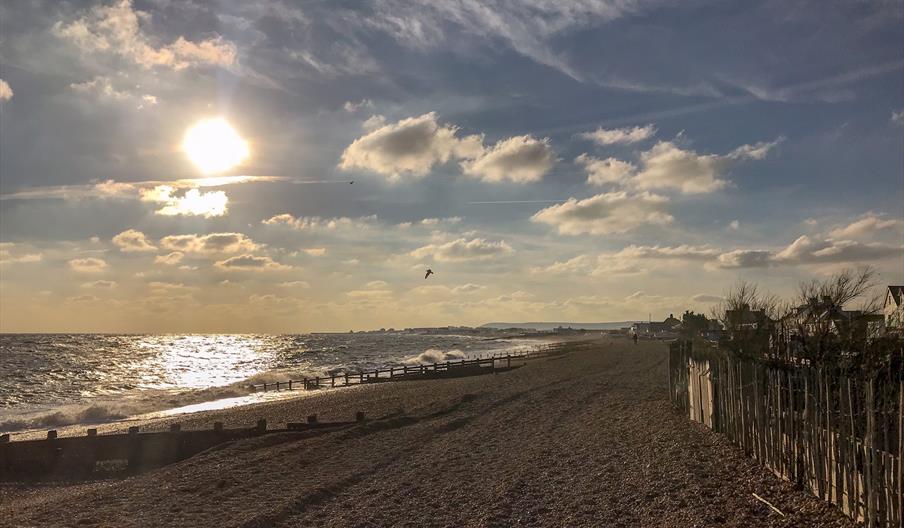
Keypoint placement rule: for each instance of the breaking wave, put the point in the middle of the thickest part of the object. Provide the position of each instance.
(435, 355)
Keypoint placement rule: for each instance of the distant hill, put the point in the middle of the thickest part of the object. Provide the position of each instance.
(550, 326)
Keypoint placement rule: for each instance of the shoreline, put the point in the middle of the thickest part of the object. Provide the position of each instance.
(583, 439)
(196, 410)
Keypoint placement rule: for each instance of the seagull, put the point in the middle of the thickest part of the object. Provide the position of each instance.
(351, 182)
(429, 272)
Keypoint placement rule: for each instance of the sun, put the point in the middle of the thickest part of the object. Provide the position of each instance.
(214, 146)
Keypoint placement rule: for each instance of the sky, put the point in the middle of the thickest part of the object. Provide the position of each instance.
(185, 166)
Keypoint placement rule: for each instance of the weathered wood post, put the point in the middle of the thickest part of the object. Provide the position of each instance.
(261, 425)
(218, 426)
(290, 384)
(52, 434)
(312, 419)
(135, 448)
(359, 416)
(4, 438)
(92, 432)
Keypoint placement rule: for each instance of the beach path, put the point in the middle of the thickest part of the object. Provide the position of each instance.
(587, 439)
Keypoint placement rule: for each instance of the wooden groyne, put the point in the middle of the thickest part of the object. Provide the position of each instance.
(448, 369)
(836, 433)
(135, 450)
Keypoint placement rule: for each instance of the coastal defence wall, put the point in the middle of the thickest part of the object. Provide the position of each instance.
(839, 436)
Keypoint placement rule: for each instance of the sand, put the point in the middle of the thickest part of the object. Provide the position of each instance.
(588, 439)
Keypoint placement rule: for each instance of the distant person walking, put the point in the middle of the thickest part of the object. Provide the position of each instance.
(634, 337)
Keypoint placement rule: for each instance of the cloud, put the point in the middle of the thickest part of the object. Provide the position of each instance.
(867, 225)
(606, 171)
(744, 258)
(315, 252)
(373, 122)
(352, 107)
(667, 166)
(530, 29)
(734, 225)
(102, 88)
(623, 136)
(682, 252)
(170, 259)
(131, 240)
(209, 244)
(706, 298)
(607, 213)
(580, 263)
(88, 265)
(6, 256)
(192, 203)
(116, 29)
(806, 250)
(315, 222)
(6, 93)
(251, 263)
(99, 284)
(520, 159)
(897, 117)
(462, 250)
(295, 284)
(411, 146)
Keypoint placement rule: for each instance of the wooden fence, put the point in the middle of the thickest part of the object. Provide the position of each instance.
(838, 436)
(79, 455)
(461, 367)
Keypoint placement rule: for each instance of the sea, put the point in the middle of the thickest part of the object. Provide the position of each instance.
(51, 380)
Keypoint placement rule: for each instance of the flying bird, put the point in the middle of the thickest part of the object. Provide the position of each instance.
(429, 272)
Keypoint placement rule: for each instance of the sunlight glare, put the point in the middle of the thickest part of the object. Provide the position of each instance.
(214, 146)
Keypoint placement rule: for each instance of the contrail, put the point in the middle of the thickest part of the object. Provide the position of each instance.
(517, 202)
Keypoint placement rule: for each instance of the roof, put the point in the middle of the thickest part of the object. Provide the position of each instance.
(897, 293)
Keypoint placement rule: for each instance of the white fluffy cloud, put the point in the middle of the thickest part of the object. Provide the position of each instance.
(116, 29)
(88, 265)
(209, 244)
(606, 171)
(132, 240)
(607, 213)
(192, 203)
(6, 93)
(251, 263)
(614, 136)
(867, 225)
(897, 117)
(411, 146)
(520, 159)
(668, 166)
(462, 249)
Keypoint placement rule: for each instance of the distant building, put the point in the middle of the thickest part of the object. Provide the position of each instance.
(894, 309)
(824, 317)
(667, 328)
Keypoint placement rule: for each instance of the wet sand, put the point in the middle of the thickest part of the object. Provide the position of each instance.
(588, 439)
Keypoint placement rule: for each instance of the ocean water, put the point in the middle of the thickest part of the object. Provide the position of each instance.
(60, 379)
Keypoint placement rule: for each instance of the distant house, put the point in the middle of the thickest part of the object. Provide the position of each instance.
(667, 328)
(824, 317)
(894, 309)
